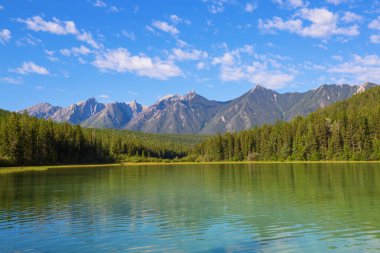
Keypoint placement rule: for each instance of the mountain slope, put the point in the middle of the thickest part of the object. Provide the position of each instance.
(256, 107)
(193, 113)
(262, 106)
(42, 110)
(176, 114)
(345, 130)
(79, 112)
(114, 115)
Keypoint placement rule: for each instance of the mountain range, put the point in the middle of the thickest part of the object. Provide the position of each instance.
(193, 113)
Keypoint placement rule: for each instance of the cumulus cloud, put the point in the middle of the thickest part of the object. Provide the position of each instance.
(249, 7)
(375, 39)
(217, 6)
(290, 3)
(31, 68)
(359, 68)
(129, 35)
(87, 37)
(264, 70)
(28, 40)
(120, 60)
(5, 36)
(324, 24)
(176, 20)
(201, 65)
(55, 26)
(375, 24)
(99, 3)
(58, 27)
(10, 80)
(165, 27)
(194, 54)
(349, 17)
(75, 51)
(336, 2)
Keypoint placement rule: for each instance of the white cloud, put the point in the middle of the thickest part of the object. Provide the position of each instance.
(217, 6)
(337, 57)
(59, 27)
(249, 7)
(99, 3)
(82, 50)
(31, 68)
(176, 20)
(350, 17)
(120, 60)
(181, 55)
(336, 2)
(129, 35)
(359, 68)
(104, 96)
(229, 57)
(10, 80)
(56, 26)
(114, 9)
(50, 55)
(182, 43)
(28, 40)
(5, 36)
(375, 39)
(165, 27)
(324, 24)
(264, 69)
(201, 65)
(87, 37)
(1, 7)
(290, 3)
(375, 24)
(226, 59)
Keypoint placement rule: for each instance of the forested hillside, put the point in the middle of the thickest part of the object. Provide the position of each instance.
(26, 140)
(347, 130)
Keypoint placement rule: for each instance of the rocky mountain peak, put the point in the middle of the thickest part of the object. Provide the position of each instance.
(259, 88)
(192, 113)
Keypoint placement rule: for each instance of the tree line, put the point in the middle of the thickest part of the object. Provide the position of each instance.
(26, 140)
(347, 130)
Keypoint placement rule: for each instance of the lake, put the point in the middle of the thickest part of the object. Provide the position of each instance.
(193, 208)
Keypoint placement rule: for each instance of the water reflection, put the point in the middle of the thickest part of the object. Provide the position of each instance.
(202, 208)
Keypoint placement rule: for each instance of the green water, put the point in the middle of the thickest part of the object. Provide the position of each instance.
(193, 208)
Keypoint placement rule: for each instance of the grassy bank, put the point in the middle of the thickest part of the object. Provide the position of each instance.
(44, 168)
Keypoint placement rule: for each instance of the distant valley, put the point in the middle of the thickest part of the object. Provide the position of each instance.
(195, 114)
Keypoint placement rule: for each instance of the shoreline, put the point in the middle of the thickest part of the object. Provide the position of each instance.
(121, 164)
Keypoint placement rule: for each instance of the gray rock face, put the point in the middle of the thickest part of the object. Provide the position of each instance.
(176, 114)
(79, 112)
(262, 106)
(114, 115)
(193, 113)
(42, 110)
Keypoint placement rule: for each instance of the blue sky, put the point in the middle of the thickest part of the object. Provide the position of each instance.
(66, 51)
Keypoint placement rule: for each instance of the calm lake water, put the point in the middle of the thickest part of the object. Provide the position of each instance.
(197, 208)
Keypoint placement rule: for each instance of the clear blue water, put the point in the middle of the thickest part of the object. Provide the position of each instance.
(197, 208)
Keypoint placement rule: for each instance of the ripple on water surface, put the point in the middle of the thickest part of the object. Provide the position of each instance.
(197, 208)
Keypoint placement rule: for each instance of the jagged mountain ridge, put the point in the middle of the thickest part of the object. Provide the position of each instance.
(263, 106)
(193, 113)
(176, 114)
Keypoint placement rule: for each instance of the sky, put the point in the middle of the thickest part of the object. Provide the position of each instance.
(63, 52)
